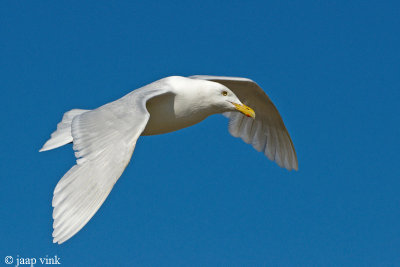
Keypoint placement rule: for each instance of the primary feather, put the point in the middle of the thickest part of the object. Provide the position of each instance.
(104, 140)
(267, 133)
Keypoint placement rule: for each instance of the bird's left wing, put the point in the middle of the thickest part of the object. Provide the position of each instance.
(267, 132)
(103, 140)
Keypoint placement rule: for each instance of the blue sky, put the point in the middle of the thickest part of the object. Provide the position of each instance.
(199, 196)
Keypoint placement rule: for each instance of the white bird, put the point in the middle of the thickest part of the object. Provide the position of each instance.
(104, 138)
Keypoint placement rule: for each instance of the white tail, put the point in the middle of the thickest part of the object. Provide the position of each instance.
(62, 135)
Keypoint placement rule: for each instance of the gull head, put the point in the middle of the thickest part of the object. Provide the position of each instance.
(202, 94)
(228, 101)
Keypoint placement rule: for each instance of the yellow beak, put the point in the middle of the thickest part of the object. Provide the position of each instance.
(249, 112)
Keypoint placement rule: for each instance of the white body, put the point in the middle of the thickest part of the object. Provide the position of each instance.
(105, 138)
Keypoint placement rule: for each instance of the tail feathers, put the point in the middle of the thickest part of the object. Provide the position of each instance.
(62, 135)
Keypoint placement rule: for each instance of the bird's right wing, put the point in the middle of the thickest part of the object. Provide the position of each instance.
(267, 132)
(104, 140)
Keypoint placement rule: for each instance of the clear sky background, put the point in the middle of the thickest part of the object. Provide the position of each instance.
(199, 196)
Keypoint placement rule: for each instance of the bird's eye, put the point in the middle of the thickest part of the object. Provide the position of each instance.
(224, 93)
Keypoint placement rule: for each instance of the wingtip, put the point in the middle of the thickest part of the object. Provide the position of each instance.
(294, 167)
(296, 164)
(57, 239)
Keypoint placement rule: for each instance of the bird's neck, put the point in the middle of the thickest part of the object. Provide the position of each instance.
(169, 113)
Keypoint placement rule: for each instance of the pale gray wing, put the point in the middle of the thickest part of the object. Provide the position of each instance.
(267, 133)
(103, 140)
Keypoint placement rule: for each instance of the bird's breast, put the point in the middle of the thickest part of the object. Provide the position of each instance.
(169, 114)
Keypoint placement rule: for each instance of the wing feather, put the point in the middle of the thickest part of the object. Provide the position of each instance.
(104, 140)
(245, 130)
(234, 124)
(270, 134)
